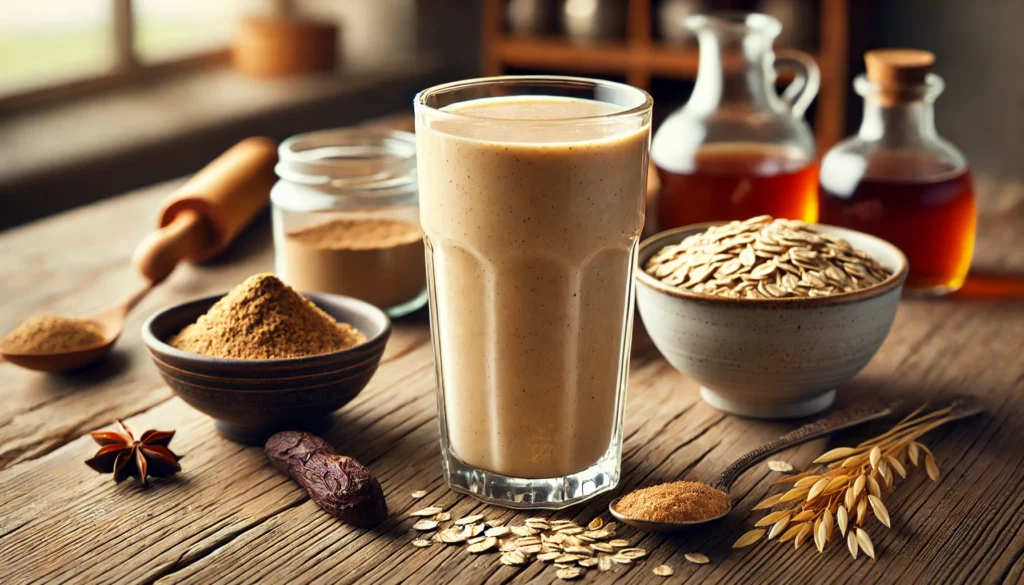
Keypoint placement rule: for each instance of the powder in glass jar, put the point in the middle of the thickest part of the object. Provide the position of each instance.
(378, 260)
(43, 334)
(680, 501)
(263, 318)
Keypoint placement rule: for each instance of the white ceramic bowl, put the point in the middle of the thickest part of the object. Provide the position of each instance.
(770, 358)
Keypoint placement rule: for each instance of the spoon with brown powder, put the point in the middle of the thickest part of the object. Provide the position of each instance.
(54, 343)
(674, 506)
(197, 222)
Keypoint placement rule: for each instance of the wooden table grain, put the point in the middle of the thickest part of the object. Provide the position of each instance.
(229, 517)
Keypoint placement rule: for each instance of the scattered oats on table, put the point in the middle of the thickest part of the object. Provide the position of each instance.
(569, 573)
(513, 558)
(570, 547)
(418, 494)
(697, 558)
(428, 511)
(633, 553)
(468, 519)
(662, 571)
(780, 466)
(497, 531)
(488, 543)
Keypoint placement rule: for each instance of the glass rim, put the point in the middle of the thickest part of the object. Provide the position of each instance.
(646, 107)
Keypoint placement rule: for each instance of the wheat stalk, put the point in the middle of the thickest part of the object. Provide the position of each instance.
(847, 488)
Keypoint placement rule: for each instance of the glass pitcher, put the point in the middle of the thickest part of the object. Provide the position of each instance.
(737, 149)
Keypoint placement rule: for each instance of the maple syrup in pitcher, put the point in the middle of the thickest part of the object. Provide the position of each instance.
(898, 179)
(738, 181)
(737, 149)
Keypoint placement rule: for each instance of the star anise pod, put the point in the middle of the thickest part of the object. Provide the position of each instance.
(126, 457)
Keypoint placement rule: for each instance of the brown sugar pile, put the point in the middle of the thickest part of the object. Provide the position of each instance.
(262, 319)
(680, 501)
(53, 334)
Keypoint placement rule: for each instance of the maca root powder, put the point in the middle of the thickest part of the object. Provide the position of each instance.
(44, 334)
(263, 319)
(680, 501)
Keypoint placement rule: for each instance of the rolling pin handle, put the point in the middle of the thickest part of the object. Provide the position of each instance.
(158, 254)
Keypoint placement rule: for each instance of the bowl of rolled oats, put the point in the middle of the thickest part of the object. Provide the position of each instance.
(769, 316)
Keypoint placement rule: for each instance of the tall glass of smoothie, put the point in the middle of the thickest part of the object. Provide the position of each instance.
(532, 203)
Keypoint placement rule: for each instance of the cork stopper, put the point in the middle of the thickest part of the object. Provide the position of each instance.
(900, 74)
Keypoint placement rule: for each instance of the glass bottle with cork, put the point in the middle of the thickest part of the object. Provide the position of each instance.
(898, 179)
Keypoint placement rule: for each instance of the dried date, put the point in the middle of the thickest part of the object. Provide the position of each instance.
(338, 484)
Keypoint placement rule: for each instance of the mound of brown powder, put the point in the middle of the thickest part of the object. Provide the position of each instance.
(680, 501)
(263, 318)
(53, 334)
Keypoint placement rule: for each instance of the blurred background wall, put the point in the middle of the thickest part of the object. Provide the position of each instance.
(979, 50)
(93, 103)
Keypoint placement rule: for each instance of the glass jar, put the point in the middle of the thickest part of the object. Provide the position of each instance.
(898, 179)
(737, 149)
(346, 217)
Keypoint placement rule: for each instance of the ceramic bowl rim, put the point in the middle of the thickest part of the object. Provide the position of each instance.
(894, 281)
(379, 318)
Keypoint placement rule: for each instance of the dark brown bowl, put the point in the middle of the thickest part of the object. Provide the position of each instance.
(250, 400)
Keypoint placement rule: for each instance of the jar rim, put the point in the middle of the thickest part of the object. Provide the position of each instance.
(350, 161)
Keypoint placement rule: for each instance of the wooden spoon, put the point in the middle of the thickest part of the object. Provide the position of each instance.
(197, 222)
(110, 319)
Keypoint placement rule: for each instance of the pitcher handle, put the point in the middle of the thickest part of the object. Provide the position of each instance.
(801, 92)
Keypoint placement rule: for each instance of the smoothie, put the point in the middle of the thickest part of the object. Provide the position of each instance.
(531, 226)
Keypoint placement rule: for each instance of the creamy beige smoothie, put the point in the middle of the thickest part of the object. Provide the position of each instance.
(531, 230)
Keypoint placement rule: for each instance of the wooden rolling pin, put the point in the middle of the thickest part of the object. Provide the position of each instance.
(202, 217)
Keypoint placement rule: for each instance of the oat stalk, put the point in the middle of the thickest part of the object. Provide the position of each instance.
(847, 488)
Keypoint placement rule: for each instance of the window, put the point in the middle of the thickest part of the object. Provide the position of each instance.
(49, 46)
(170, 29)
(46, 42)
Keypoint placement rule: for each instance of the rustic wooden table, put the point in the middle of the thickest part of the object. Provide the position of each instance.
(229, 517)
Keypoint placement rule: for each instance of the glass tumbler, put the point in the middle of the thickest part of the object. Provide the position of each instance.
(532, 203)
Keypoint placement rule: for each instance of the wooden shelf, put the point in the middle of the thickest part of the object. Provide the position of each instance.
(561, 55)
(639, 57)
(544, 53)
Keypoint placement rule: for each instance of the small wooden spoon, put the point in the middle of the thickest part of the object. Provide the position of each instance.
(155, 258)
(110, 319)
(963, 407)
(196, 223)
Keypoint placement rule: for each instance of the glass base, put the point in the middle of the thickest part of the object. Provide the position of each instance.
(523, 494)
(408, 307)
